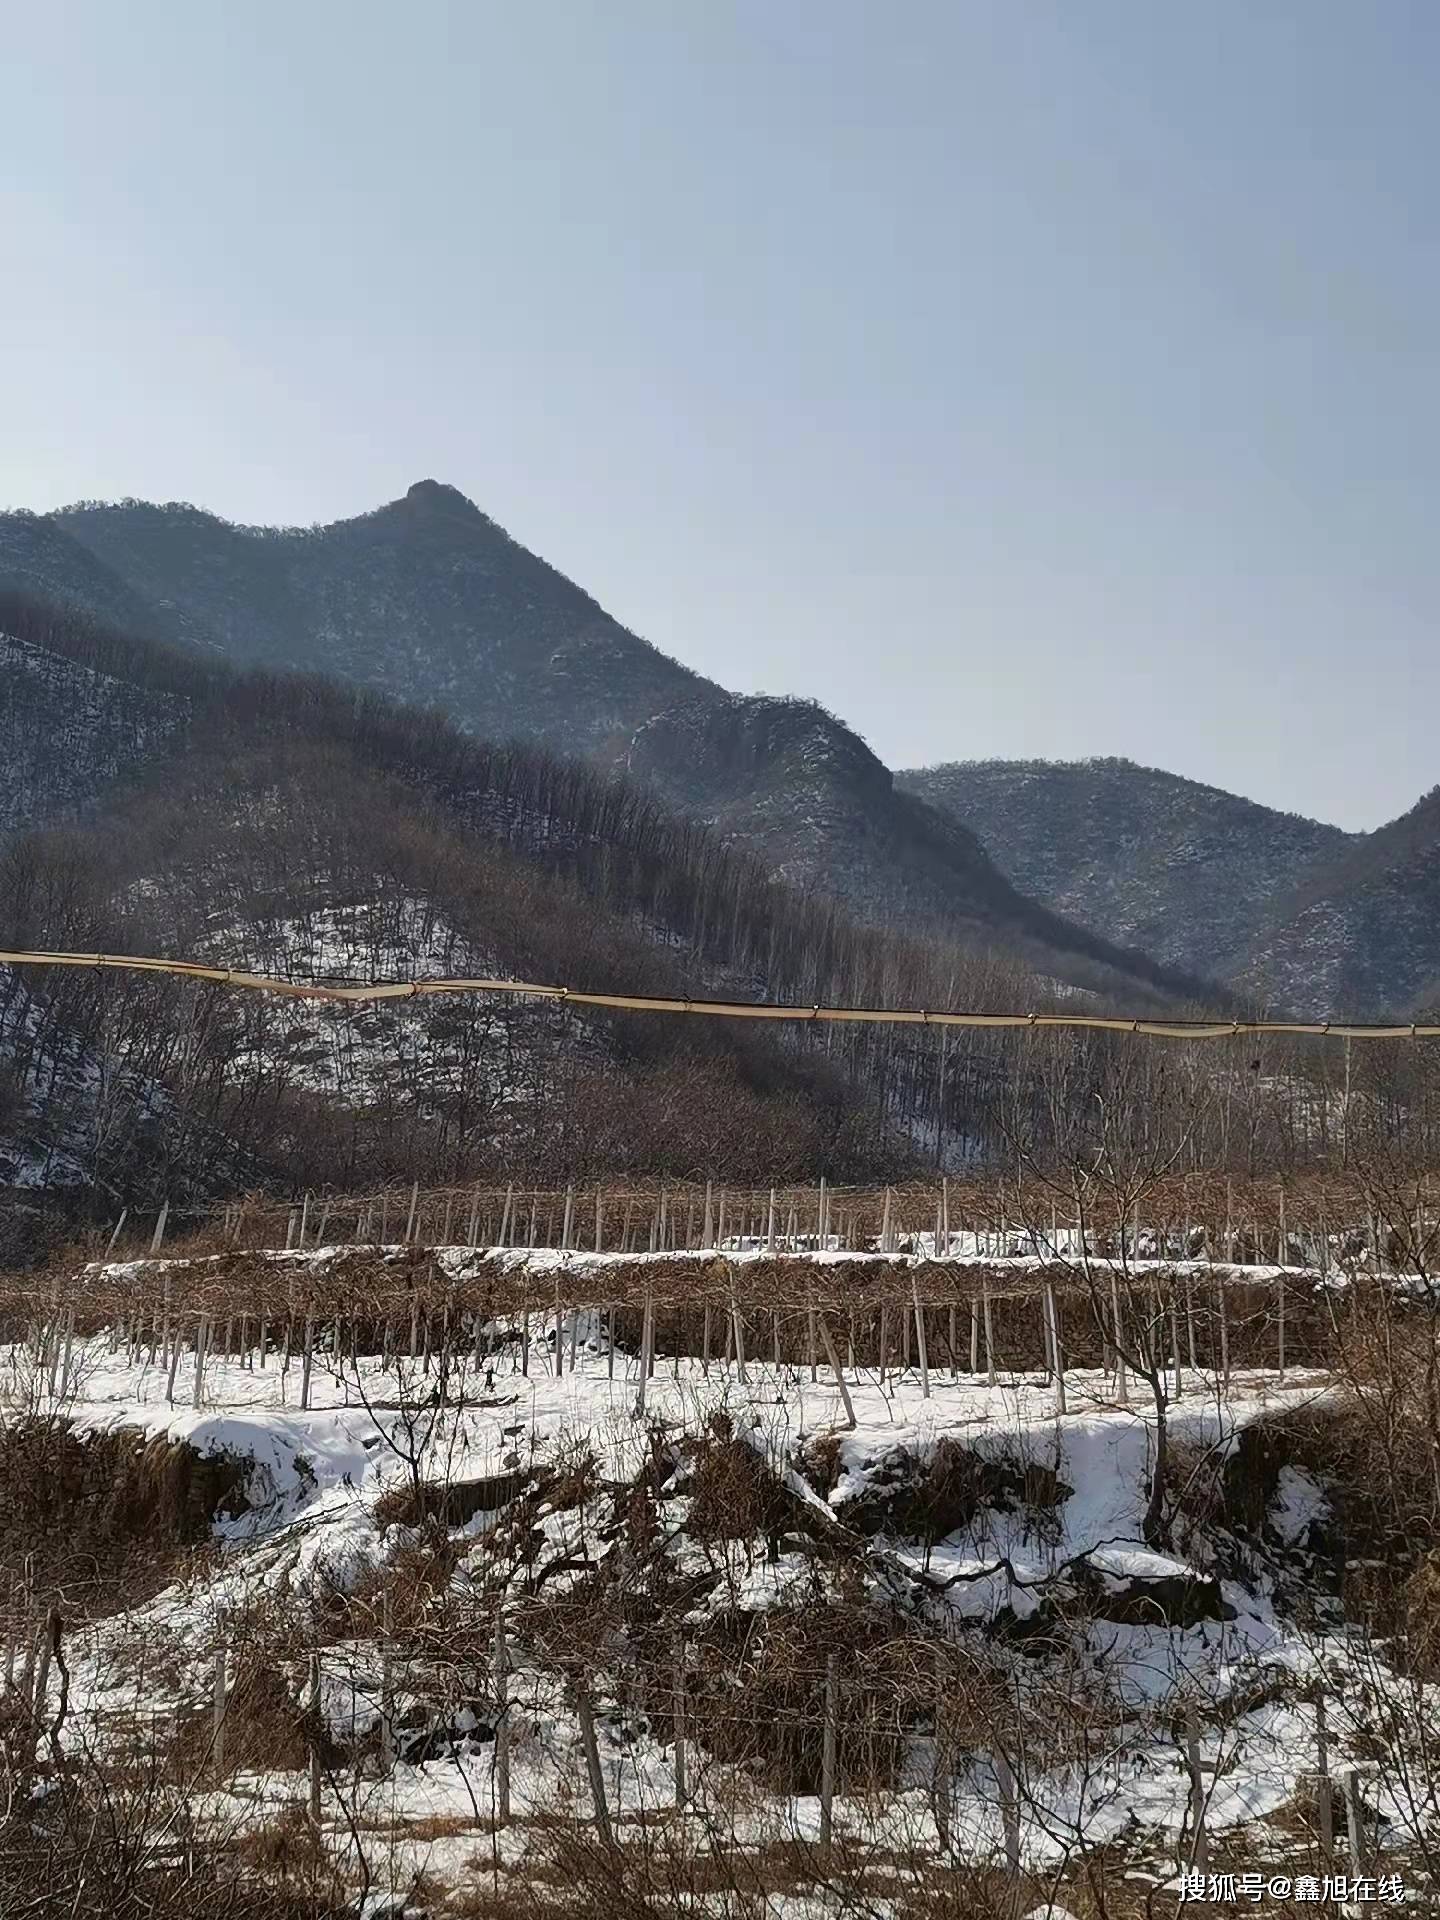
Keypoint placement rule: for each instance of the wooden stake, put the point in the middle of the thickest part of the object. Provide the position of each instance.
(592, 1765)
(220, 1701)
(316, 1736)
(1117, 1336)
(502, 1724)
(1009, 1809)
(738, 1331)
(1324, 1809)
(119, 1224)
(69, 1346)
(37, 1700)
(1224, 1332)
(830, 1355)
(1354, 1819)
(1052, 1310)
(174, 1363)
(1199, 1851)
(682, 1791)
(943, 1786)
(827, 1751)
(920, 1340)
(647, 1348)
(387, 1689)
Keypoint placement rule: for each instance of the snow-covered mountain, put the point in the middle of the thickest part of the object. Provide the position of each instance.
(1360, 933)
(1305, 917)
(1183, 870)
(429, 600)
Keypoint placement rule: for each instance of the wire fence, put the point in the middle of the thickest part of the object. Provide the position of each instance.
(1319, 1221)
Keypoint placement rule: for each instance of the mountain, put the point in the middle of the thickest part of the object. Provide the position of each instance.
(1185, 871)
(793, 784)
(1360, 934)
(425, 598)
(71, 731)
(38, 557)
(428, 600)
(161, 801)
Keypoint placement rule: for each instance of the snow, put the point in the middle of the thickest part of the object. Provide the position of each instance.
(316, 1475)
(1299, 1503)
(580, 1266)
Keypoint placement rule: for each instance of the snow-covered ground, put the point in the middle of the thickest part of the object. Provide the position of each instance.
(315, 1476)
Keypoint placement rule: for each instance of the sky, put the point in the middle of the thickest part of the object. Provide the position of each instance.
(1019, 378)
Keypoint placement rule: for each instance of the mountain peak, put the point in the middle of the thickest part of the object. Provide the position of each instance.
(436, 493)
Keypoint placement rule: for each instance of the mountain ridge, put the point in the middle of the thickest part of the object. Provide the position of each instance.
(1100, 872)
(293, 823)
(1180, 868)
(428, 600)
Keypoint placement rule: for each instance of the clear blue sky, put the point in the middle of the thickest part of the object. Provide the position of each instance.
(1035, 377)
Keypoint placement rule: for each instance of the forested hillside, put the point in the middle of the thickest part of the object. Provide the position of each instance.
(292, 825)
(1361, 931)
(70, 730)
(789, 781)
(1101, 874)
(429, 600)
(426, 598)
(1182, 870)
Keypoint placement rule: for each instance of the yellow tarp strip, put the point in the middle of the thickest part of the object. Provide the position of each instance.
(1161, 1029)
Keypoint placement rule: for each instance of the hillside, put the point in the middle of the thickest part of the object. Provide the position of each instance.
(70, 731)
(278, 822)
(787, 780)
(1143, 857)
(39, 558)
(428, 600)
(1362, 932)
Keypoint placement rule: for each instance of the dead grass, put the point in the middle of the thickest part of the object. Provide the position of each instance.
(102, 1520)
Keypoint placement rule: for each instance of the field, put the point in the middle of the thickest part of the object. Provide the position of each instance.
(769, 1566)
